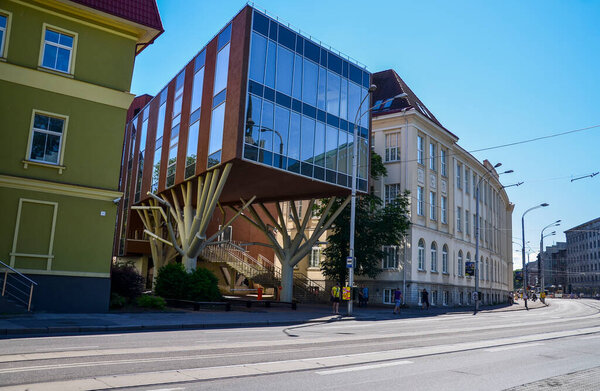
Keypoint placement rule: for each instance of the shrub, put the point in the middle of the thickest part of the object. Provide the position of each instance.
(117, 301)
(171, 281)
(148, 301)
(126, 281)
(203, 286)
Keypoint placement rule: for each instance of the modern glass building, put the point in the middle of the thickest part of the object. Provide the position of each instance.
(279, 106)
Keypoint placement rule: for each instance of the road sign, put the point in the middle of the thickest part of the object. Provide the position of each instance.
(345, 293)
(349, 262)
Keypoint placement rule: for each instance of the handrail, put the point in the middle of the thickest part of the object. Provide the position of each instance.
(19, 273)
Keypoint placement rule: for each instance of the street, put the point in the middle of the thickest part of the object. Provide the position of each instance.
(494, 350)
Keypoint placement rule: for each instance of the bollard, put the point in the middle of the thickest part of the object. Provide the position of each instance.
(259, 294)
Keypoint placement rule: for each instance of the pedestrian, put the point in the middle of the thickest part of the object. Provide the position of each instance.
(425, 299)
(365, 295)
(397, 300)
(360, 297)
(335, 297)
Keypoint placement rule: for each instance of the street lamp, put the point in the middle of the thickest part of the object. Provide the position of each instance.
(489, 171)
(357, 118)
(523, 250)
(541, 263)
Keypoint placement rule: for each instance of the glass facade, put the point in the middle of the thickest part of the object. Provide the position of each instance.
(302, 107)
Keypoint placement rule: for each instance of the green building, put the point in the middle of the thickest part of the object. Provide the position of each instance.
(65, 73)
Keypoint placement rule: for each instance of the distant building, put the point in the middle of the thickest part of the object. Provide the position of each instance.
(65, 69)
(583, 258)
(555, 267)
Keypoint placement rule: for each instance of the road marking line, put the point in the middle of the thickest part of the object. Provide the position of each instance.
(510, 347)
(364, 367)
(66, 348)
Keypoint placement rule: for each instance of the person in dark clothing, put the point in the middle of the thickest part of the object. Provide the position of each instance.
(425, 299)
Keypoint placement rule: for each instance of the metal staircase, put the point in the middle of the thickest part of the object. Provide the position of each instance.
(17, 289)
(263, 271)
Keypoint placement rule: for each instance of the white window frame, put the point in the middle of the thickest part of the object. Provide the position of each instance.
(467, 224)
(445, 259)
(460, 263)
(421, 254)
(443, 162)
(420, 149)
(312, 262)
(389, 252)
(72, 50)
(392, 147)
(433, 254)
(458, 219)
(420, 201)
(6, 34)
(432, 205)
(459, 175)
(432, 157)
(392, 191)
(444, 210)
(63, 137)
(388, 296)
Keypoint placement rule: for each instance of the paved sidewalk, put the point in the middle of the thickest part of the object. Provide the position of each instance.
(64, 323)
(588, 380)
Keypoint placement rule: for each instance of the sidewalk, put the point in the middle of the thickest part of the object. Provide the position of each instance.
(64, 323)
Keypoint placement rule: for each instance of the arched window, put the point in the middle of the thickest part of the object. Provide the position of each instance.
(421, 254)
(487, 269)
(433, 257)
(481, 271)
(468, 261)
(445, 259)
(460, 266)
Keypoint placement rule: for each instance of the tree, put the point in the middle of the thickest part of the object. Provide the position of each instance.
(377, 225)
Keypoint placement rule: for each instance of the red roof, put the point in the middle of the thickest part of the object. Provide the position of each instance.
(144, 12)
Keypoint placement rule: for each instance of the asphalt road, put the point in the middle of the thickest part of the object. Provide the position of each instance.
(458, 351)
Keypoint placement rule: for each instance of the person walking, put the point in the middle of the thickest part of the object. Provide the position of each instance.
(397, 301)
(335, 298)
(365, 295)
(425, 299)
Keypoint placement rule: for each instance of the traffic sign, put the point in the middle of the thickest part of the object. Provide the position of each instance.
(349, 262)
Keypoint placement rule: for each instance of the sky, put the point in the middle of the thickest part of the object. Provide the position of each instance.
(492, 72)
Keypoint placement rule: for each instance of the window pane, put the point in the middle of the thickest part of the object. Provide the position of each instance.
(353, 101)
(160, 125)
(308, 136)
(285, 68)
(56, 125)
(51, 36)
(266, 127)
(62, 60)
(38, 146)
(2, 21)
(65, 40)
(41, 122)
(197, 90)
(297, 88)
(344, 99)
(192, 145)
(52, 147)
(309, 91)
(363, 152)
(49, 60)
(282, 122)
(320, 144)
(216, 129)
(253, 120)
(333, 93)
(270, 69)
(258, 52)
(321, 88)
(343, 152)
(294, 139)
(221, 70)
(331, 145)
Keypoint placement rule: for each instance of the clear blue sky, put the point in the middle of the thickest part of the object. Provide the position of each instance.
(491, 72)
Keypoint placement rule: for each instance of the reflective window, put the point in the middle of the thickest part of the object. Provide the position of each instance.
(285, 69)
(331, 142)
(253, 120)
(297, 87)
(216, 130)
(3, 23)
(321, 89)
(311, 75)
(320, 144)
(343, 152)
(46, 138)
(271, 61)
(192, 149)
(282, 123)
(58, 48)
(308, 135)
(221, 69)
(333, 93)
(353, 101)
(420, 149)
(294, 138)
(172, 162)
(258, 53)
(197, 90)
(266, 126)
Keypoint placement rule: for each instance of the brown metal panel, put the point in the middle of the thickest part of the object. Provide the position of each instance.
(206, 109)
(237, 75)
(185, 122)
(162, 177)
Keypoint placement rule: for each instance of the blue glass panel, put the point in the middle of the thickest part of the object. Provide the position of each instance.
(319, 173)
(281, 129)
(255, 88)
(343, 153)
(333, 93)
(366, 80)
(265, 157)
(334, 63)
(163, 95)
(195, 116)
(307, 139)
(38, 146)
(260, 24)
(355, 74)
(323, 59)
(41, 122)
(287, 38)
(342, 180)
(269, 94)
(2, 21)
(299, 44)
(353, 101)
(312, 51)
(364, 132)
(283, 100)
(65, 40)
(321, 116)
(310, 80)
(306, 169)
(52, 36)
(330, 176)
(52, 147)
(331, 145)
(322, 88)
(297, 87)
(214, 159)
(344, 99)
(362, 185)
(294, 165)
(309, 110)
(250, 152)
(320, 144)
(49, 60)
(253, 120)
(220, 98)
(333, 120)
(56, 125)
(224, 37)
(271, 62)
(62, 59)
(200, 59)
(266, 126)
(197, 87)
(1, 40)
(279, 161)
(296, 105)
(285, 70)
(343, 125)
(273, 30)
(216, 129)
(221, 70)
(294, 138)
(258, 53)
(345, 69)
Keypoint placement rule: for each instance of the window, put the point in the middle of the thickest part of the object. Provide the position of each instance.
(474, 184)
(434, 297)
(390, 257)
(215, 144)
(421, 254)
(420, 151)
(392, 147)
(388, 296)
(142, 155)
(467, 179)
(444, 216)
(197, 86)
(432, 157)
(192, 149)
(460, 264)
(4, 22)
(458, 219)
(446, 298)
(57, 50)
(432, 206)
(433, 257)
(391, 193)
(481, 264)
(420, 201)
(172, 162)
(445, 259)
(459, 175)
(471, 268)
(46, 139)
(315, 257)
(443, 162)
(487, 270)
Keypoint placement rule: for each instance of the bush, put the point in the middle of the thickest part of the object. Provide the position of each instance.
(148, 301)
(126, 281)
(117, 301)
(203, 286)
(171, 281)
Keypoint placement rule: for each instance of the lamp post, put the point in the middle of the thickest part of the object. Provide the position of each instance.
(489, 171)
(523, 250)
(541, 263)
(357, 118)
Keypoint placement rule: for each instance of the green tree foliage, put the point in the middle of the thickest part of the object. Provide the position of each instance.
(173, 282)
(125, 280)
(377, 225)
(203, 286)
